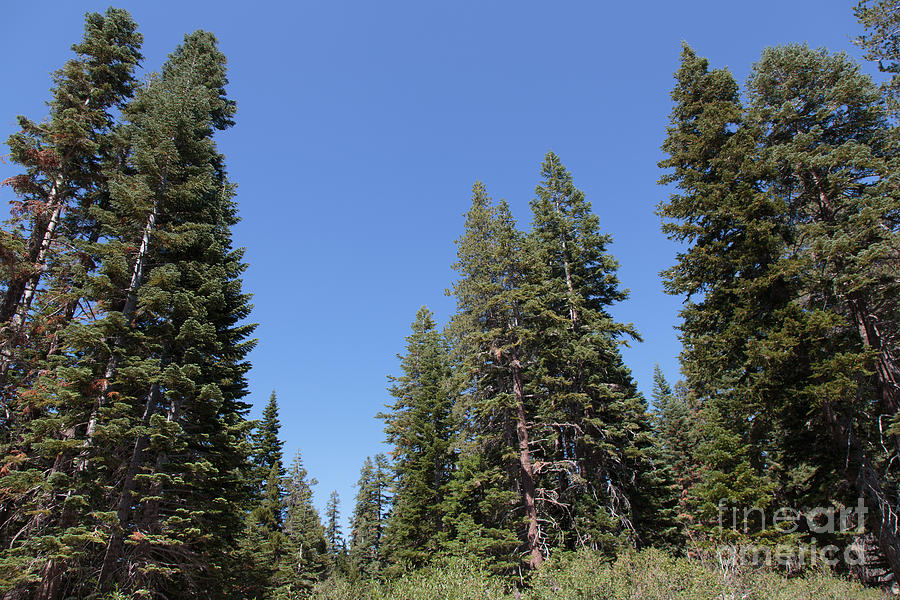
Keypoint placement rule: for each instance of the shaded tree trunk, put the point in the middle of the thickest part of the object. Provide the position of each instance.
(526, 466)
(884, 517)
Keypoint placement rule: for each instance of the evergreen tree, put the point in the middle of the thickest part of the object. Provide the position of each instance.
(266, 543)
(732, 232)
(334, 535)
(170, 413)
(881, 41)
(267, 447)
(599, 478)
(64, 156)
(676, 433)
(367, 523)
(420, 428)
(491, 511)
(145, 464)
(832, 163)
(788, 211)
(46, 512)
(308, 559)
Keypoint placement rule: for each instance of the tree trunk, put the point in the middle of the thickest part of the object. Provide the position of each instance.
(573, 312)
(884, 518)
(526, 466)
(115, 547)
(51, 575)
(886, 369)
(137, 274)
(20, 293)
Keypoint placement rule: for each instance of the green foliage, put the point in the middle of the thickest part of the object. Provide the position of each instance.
(338, 564)
(492, 476)
(267, 447)
(600, 483)
(788, 215)
(366, 557)
(420, 427)
(49, 506)
(137, 441)
(548, 411)
(648, 575)
(308, 559)
(881, 42)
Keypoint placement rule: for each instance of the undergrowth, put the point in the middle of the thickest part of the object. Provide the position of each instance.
(645, 575)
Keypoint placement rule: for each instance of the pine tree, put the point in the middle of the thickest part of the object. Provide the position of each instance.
(170, 413)
(733, 233)
(788, 210)
(146, 464)
(334, 536)
(47, 528)
(675, 428)
(598, 475)
(366, 557)
(265, 542)
(495, 475)
(64, 156)
(881, 42)
(267, 447)
(832, 163)
(308, 559)
(421, 430)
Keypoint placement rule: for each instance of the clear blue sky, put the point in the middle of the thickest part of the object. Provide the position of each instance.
(361, 127)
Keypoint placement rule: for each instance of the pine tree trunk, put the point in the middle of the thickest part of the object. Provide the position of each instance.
(885, 519)
(527, 468)
(50, 579)
(115, 547)
(886, 369)
(137, 274)
(19, 294)
(573, 313)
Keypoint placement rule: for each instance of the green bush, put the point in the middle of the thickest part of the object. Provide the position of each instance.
(645, 575)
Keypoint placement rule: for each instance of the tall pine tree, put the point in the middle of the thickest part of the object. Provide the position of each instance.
(334, 536)
(599, 477)
(420, 428)
(308, 560)
(366, 556)
(48, 527)
(491, 513)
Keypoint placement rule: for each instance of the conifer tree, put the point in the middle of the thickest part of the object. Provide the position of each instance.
(46, 531)
(267, 447)
(367, 523)
(732, 231)
(64, 157)
(146, 461)
(787, 207)
(491, 506)
(334, 535)
(420, 428)
(598, 478)
(265, 541)
(832, 163)
(881, 41)
(676, 433)
(170, 413)
(308, 559)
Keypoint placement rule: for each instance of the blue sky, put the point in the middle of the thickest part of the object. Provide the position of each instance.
(361, 127)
